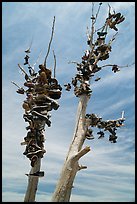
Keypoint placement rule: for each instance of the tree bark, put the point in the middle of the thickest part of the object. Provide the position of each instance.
(71, 166)
(32, 183)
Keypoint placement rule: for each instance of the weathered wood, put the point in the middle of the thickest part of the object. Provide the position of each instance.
(71, 167)
(50, 41)
(32, 183)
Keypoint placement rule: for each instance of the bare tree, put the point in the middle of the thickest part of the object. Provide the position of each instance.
(99, 50)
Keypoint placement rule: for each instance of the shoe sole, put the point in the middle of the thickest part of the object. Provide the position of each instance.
(34, 152)
(34, 160)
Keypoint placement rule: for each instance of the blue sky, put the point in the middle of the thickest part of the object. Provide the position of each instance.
(110, 176)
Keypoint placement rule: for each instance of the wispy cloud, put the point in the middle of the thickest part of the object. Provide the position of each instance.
(110, 173)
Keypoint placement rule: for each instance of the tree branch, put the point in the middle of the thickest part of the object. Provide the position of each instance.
(97, 12)
(126, 65)
(74, 62)
(50, 42)
(21, 68)
(15, 84)
(54, 63)
(28, 50)
(113, 38)
(81, 153)
(92, 28)
(97, 59)
(76, 157)
(99, 28)
(37, 58)
(110, 65)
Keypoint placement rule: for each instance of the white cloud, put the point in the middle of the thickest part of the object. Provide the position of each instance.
(69, 43)
(122, 5)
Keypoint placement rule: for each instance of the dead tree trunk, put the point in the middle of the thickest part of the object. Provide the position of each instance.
(32, 183)
(99, 51)
(71, 166)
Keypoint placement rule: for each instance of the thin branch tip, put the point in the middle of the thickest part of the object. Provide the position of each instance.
(53, 25)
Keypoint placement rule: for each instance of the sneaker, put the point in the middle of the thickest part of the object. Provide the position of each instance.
(101, 136)
(112, 138)
(84, 57)
(34, 159)
(25, 63)
(29, 154)
(43, 117)
(88, 42)
(38, 173)
(32, 149)
(33, 143)
(101, 33)
(54, 94)
(24, 143)
(91, 137)
(89, 134)
(40, 108)
(55, 106)
(40, 154)
(28, 127)
(29, 84)
(68, 86)
(26, 151)
(25, 106)
(20, 91)
(98, 78)
(28, 50)
(92, 17)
